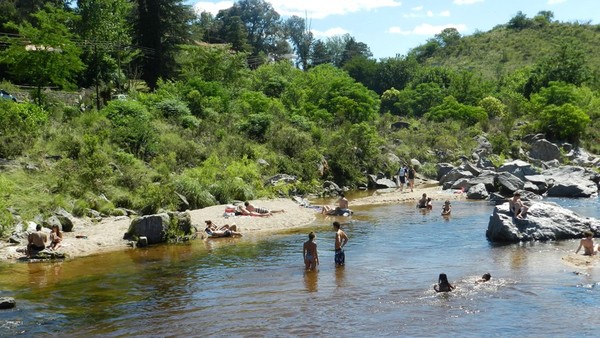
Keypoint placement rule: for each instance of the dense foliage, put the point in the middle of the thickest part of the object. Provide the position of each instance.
(214, 107)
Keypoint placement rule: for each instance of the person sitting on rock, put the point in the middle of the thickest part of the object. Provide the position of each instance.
(36, 241)
(516, 206)
(55, 238)
(587, 243)
(341, 210)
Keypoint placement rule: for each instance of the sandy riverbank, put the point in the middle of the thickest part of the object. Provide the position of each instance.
(107, 235)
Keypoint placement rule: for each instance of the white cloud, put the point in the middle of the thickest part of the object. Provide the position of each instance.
(212, 7)
(418, 8)
(330, 32)
(429, 14)
(555, 2)
(467, 2)
(445, 13)
(319, 9)
(426, 29)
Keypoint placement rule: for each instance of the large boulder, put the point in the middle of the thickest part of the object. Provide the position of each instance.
(544, 150)
(484, 147)
(470, 167)
(518, 168)
(579, 156)
(443, 169)
(153, 227)
(463, 184)
(570, 181)
(539, 181)
(508, 183)
(65, 218)
(454, 175)
(544, 221)
(477, 192)
(486, 178)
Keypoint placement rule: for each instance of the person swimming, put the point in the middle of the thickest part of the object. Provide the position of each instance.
(443, 285)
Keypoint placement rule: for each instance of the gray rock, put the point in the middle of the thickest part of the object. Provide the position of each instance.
(578, 156)
(496, 198)
(518, 168)
(552, 164)
(508, 183)
(415, 163)
(443, 169)
(544, 150)
(567, 147)
(468, 166)
(393, 159)
(485, 163)
(48, 254)
(52, 221)
(262, 162)
(153, 227)
(484, 147)
(462, 183)
(385, 183)
(528, 186)
(570, 181)
(7, 303)
(454, 175)
(487, 179)
(539, 181)
(531, 138)
(544, 221)
(477, 192)
(290, 179)
(328, 185)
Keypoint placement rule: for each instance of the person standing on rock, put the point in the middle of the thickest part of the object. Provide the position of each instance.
(340, 241)
(411, 177)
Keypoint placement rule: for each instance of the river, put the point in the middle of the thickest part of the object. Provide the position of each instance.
(256, 286)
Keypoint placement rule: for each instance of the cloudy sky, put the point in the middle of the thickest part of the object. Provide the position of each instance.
(391, 27)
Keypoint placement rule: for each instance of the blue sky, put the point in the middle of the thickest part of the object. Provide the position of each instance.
(391, 27)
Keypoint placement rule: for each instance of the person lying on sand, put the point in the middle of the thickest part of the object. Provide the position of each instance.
(243, 211)
(588, 244)
(251, 208)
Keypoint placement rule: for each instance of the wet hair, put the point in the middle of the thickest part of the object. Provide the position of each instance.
(246, 203)
(342, 194)
(311, 236)
(517, 193)
(336, 224)
(588, 233)
(443, 279)
(38, 227)
(486, 276)
(428, 199)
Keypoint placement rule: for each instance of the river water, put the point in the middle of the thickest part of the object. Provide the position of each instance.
(257, 286)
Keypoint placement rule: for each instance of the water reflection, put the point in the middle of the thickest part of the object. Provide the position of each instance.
(311, 280)
(340, 276)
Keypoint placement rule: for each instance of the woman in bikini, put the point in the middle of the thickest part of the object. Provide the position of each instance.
(55, 238)
(443, 285)
(311, 258)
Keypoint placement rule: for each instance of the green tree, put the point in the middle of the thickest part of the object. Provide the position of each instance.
(106, 33)
(50, 58)
(320, 54)
(302, 39)
(451, 109)
(566, 122)
(353, 49)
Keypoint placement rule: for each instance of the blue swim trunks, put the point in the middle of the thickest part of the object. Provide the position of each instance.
(340, 257)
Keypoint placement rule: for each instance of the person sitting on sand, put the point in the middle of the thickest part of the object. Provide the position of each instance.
(243, 211)
(212, 226)
(422, 203)
(485, 278)
(341, 210)
(55, 238)
(516, 206)
(250, 207)
(443, 285)
(446, 208)
(587, 243)
(36, 241)
(309, 251)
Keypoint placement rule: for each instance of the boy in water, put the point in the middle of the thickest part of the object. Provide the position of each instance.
(447, 208)
(587, 243)
(311, 258)
(340, 241)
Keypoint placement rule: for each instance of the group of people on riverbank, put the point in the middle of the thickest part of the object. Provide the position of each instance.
(37, 241)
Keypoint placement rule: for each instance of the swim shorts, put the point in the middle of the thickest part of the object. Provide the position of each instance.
(340, 257)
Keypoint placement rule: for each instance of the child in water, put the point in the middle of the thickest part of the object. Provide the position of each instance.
(446, 208)
(443, 285)
(311, 258)
(485, 278)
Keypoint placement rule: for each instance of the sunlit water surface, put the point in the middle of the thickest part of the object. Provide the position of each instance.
(257, 286)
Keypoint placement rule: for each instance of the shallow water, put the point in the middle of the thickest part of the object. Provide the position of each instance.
(257, 287)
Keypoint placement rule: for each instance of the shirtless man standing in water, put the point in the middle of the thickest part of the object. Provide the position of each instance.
(587, 243)
(340, 241)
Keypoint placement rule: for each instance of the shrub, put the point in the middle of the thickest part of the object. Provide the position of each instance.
(196, 195)
(566, 122)
(132, 128)
(20, 124)
(172, 108)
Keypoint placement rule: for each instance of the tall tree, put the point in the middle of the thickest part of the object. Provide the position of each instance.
(354, 49)
(302, 39)
(161, 26)
(50, 57)
(105, 31)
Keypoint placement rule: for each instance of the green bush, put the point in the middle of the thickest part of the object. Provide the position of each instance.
(20, 124)
(131, 127)
(566, 122)
(173, 108)
(196, 195)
